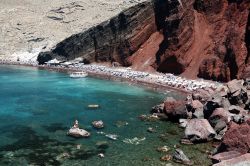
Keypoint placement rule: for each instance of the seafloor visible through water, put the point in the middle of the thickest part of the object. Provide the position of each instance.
(37, 108)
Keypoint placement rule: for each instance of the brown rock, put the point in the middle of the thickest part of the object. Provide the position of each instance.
(237, 138)
(175, 109)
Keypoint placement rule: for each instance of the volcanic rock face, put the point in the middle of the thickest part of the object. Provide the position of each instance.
(204, 38)
(113, 40)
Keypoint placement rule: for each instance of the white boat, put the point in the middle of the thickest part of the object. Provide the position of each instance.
(78, 74)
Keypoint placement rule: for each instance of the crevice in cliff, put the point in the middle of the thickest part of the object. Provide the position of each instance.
(171, 65)
(230, 61)
(247, 39)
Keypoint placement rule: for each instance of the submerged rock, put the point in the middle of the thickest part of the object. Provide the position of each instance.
(112, 136)
(166, 158)
(135, 140)
(180, 157)
(98, 124)
(163, 149)
(199, 130)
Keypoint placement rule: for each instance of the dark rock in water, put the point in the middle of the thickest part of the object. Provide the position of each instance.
(199, 130)
(158, 108)
(180, 157)
(243, 160)
(237, 138)
(225, 156)
(175, 109)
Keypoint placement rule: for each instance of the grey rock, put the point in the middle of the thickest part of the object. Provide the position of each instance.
(199, 130)
(180, 157)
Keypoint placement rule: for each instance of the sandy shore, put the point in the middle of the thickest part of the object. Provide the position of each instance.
(156, 81)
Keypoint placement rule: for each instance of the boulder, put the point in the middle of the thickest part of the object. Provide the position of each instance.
(175, 109)
(180, 157)
(235, 86)
(225, 156)
(237, 138)
(237, 92)
(196, 107)
(199, 130)
(77, 133)
(219, 114)
(243, 160)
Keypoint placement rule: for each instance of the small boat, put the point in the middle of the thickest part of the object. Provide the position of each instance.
(93, 106)
(78, 74)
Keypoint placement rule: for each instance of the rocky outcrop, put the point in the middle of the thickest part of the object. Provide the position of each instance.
(113, 40)
(208, 39)
(237, 138)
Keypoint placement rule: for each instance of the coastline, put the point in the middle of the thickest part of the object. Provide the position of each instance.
(150, 82)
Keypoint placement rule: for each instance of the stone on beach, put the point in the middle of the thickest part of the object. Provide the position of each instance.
(199, 130)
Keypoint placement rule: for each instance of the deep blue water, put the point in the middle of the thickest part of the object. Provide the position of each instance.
(37, 108)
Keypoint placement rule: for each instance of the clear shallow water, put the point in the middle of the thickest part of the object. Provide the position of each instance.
(37, 108)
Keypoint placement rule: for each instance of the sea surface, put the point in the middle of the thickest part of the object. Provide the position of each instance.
(37, 108)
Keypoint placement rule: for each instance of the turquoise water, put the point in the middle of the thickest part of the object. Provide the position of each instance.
(37, 108)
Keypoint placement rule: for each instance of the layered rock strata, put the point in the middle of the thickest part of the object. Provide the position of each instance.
(204, 38)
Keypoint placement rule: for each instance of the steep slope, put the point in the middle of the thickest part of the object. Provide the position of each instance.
(204, 38)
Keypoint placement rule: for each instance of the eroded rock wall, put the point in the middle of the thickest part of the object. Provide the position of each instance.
(113, 40)
(205, 38)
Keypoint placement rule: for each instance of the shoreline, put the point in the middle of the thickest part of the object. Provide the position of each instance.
(144, 79)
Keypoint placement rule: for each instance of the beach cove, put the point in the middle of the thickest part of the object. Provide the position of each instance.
(38, 112)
